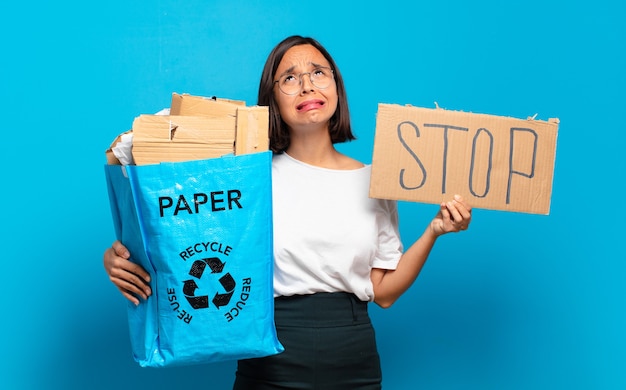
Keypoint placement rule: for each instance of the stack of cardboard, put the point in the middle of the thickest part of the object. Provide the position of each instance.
(197, 128)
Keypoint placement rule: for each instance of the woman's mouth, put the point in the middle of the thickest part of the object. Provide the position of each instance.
(310, 105)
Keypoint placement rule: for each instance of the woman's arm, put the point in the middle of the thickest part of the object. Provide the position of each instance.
(389, 285)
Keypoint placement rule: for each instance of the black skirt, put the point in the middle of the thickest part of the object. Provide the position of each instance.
(329, 344)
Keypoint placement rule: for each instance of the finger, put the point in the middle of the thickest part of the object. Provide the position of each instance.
(131, 276)
(120, 250)
(140, 285)
(133, 287)
(460, 217)
(463, 206)
(445, 213)
(464, 210)
(120, 260)
(138, 270)
(455, 215)
(129, 296)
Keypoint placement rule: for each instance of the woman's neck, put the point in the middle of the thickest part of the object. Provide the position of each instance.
(321, 154)
(318, 151)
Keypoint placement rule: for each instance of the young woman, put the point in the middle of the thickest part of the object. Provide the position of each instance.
(335, 249)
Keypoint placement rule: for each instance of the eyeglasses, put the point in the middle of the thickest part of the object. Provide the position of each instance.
(291, 84)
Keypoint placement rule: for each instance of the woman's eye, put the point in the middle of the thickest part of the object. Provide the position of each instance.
(289, 79)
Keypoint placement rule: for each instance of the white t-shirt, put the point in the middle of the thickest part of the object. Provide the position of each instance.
(328, 233)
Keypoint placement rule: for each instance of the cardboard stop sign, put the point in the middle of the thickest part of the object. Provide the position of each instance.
(428, 155)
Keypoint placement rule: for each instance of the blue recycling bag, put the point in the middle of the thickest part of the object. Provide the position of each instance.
(203, 230)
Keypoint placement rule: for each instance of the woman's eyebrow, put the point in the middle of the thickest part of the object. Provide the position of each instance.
(293, 67)
(288, 71)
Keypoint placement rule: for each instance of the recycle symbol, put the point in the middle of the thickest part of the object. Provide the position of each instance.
(197, 270)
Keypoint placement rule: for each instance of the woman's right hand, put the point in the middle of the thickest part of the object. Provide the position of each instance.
(131, 279)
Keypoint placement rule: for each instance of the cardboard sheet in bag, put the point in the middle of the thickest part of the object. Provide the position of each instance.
(197, 128)
(172, 138)
(185, 104)
(251, 129)
(428, 155)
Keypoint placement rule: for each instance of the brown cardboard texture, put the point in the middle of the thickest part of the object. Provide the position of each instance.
(197, 128)
(252, 122)
(185, 104)
(428, 155)
(252, 131)
(158, 138)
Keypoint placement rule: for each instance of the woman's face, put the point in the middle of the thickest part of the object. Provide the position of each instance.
(310, 107)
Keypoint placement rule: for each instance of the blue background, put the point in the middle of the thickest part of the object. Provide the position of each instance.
(518, 302)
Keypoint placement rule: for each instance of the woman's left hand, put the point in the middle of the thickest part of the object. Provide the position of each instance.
(453, 216)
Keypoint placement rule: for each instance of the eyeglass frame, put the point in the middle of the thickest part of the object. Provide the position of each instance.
(300, 77)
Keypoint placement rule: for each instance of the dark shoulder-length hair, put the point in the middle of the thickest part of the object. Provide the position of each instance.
(339, 126)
